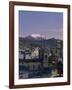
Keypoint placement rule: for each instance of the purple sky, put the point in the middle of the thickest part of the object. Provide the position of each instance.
(49, 24)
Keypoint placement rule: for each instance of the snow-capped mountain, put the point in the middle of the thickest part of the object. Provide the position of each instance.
(35, 37)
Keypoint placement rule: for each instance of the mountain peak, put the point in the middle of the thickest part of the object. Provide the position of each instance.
(37, 36)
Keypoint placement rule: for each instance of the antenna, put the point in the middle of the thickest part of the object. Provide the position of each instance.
(58, 35)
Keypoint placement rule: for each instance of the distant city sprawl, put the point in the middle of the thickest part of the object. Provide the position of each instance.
(40, 57)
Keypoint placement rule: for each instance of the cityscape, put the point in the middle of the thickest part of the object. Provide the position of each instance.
(40, 51)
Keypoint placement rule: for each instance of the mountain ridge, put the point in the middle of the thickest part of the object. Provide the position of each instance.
(30, 41)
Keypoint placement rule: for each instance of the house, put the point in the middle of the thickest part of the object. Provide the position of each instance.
(35, 53)
(24, 54)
